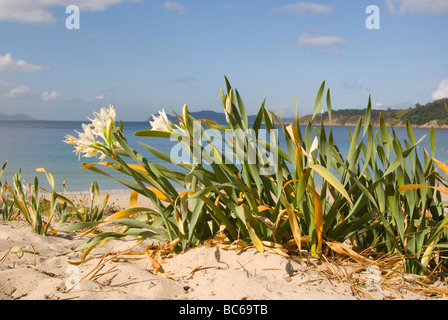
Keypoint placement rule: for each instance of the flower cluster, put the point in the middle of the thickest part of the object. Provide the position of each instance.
(161, 122)
(103, 125)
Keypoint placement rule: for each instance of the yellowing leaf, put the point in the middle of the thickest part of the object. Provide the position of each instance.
(441, 165)
(204, 121)
(178, 116)
(126, 213)
(427, 256)
(344, 250)
(157, 267)
(292, 131)
(133, 199)
(160, 195)
(9, 189)
(276, 118)
(49, 176)
(318, 218)
(264, 207)
(109, 164)
(255, 240)
(136, 167)
(419, 186)
(179, 221)
(294, 226)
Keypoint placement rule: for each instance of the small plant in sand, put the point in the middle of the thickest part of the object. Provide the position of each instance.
(6, 202)
(90, 208)
(24, 199)
(271, 197)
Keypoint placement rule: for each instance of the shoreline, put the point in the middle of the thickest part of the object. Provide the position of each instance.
(302, 122)
(376, 125)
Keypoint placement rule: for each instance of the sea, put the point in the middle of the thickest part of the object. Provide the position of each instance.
(28, 145)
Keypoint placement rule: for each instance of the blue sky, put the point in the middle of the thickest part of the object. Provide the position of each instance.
(145, 55)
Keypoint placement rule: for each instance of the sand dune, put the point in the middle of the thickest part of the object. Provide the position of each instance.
(37, 267)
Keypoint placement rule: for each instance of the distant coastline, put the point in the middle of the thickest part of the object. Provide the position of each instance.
(429, 125)
(16, 117)
(432, 115)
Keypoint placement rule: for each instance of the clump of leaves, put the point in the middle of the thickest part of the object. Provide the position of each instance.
(359, 198)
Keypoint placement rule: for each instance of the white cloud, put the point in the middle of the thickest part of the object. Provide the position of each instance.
(38, 11)
(96, 98)
(8, 64)
(305, 7)
(442, 90)
(309, 40)
(393, 106)
(382, 106)
(391, 6)
(16, 91)
(350, 84)
(176, 6)
(436, 7)
(353, 84)
(10, 90)
(49, 96)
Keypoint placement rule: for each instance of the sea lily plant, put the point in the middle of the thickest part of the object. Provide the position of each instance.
(240, 187)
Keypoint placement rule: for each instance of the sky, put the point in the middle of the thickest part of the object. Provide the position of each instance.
(145, 55)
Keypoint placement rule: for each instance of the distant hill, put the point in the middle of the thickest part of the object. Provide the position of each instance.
(432, 114)
(16, 117)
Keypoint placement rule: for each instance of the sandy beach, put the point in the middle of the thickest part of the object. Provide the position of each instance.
(46, 267)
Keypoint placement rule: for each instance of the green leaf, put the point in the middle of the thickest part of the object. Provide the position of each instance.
(80, 226)
(3, 168)
(367, 116)
(432, 141)
(133, 223)
(410, 132)
(318, 102)
(329, 104)
(153, 133)
(228, 86)
(242, 109)
(386, 139)
(331, 179)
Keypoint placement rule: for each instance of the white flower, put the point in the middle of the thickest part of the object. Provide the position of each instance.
(85, 143)
(161, 122)
(102, 126)
(103, 121)
(69, 139)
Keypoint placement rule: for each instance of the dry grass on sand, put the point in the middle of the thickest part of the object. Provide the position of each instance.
(37, 267)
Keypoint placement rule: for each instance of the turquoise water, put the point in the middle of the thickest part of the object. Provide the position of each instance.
(28, 145)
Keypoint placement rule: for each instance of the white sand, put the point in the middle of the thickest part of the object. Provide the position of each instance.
(30, 268)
